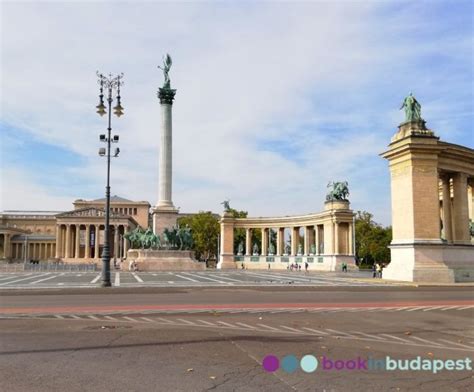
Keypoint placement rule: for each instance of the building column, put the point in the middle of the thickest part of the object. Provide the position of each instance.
(447, 217)
(78, 241)
(307, 238)
(58, 240)
(87, 250)
(264, 250)
(97, 242)
(125, 242)
(116, 241)
(350, 242)
(67, 251)
(336, 238)
(460, 209)
(295, 239)
(248, 242)
(280, 240)
(6, 245)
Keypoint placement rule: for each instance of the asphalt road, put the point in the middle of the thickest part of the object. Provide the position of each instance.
(199, 339)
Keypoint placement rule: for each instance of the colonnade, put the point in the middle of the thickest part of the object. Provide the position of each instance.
(455, 207)
(85, 241)
(32, 250)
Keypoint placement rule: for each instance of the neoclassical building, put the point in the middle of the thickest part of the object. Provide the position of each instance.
(71, 236)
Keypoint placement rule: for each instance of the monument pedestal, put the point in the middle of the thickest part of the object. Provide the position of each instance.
(163, 260)
(164, 217)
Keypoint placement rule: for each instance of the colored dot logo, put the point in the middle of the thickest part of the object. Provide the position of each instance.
(271, 363)
(289, 363)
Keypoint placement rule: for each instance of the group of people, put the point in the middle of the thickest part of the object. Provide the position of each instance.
(377, 269)
(297, 267)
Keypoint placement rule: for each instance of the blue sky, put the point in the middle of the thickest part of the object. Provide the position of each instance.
(274, 99)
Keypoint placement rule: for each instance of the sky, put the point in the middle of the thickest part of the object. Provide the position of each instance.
(274, 99)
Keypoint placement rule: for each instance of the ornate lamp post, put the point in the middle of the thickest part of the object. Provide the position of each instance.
(110, 84)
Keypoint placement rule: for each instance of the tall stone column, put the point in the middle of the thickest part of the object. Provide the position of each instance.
(248, 242)
(447, 217)
(307, 240)
(226, 257)
(280, 241)
(68, 241)
(316, 239)
(264, 250)
(125, 242)
(116, 241)
(78, 243)
(97, 242)
(295, 239)
(87, 251)
(165, 214)
(461, 209)
(58, 240)
(336, 238)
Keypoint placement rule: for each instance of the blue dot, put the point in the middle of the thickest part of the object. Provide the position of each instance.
(289, 363)
(309, 363)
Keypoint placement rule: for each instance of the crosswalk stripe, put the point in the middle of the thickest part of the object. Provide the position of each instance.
(339, 332)
(367, 335)
(316, 331)
(184, 277)
(130, 319)
(206, 322)
(267, 326)
(290, 328)
(117, 279)
(394, 337)
(147, 319)
(245, 325)
(226, 324)
(23, 279)
(425, 341)
(48, 278)
(96, 279)
(186, 321)
(137, 278)
(456, 344)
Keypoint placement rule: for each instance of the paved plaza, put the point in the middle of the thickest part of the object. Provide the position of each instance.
(32, 280)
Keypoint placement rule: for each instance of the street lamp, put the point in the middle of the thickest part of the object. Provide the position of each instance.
(110, 84)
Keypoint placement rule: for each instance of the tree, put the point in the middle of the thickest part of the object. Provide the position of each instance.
(372, 239)
(239, 234)
(205, 230)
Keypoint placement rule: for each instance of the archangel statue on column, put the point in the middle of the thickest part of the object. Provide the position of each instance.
(167, 62)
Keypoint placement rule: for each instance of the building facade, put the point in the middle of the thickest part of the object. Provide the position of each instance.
(71, 236)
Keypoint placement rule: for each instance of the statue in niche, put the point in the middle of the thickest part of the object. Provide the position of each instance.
(255, 250)
(312, 249)
(271, 249)
(300, 250)
(412, 108)
(287, 249)
(240, 249)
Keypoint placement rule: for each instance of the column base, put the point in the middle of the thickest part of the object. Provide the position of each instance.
(418, 262)
(227, 262)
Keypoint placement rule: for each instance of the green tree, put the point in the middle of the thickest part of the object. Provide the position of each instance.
(372, 239)
(239, 234)
(205, 229)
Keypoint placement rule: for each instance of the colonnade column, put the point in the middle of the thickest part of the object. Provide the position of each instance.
(307, 239)
(87, 250)
(460, 209)
(336, 238)
(58, 240)
(316, 239)
(96, 242)
(78, 244)
(116, 241)
(248, 242)
(350, 251)
(447, 217)
(280, 239)
(295, 237)
(264, 251)
(125, 242)
(68, 241)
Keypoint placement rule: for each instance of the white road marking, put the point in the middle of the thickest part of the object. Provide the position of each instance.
(165, 320)
(290, 328)
(170, 281)
(226, 324)
(339, 332)
(48, 278)
(246, 325)
(96, 279)
(59, 316)
(92, 317)
(315, 331)
(147, 319)
(111, 318)
(21, 280)
(466, 307)
(12, 277)
(184, 277)
(137, 278)
(267, 326)
(432, 308)
(117, 279)
(186, 321)
(368, 336)
(395, 337)
(456, 344)
(425, 341)
(206, 277)
(76, 317)
(207, 322)
(448, 308)
(130, 319)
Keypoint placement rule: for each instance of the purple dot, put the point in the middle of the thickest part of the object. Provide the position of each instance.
(271, 363)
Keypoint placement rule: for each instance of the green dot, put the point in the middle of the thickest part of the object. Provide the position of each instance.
(309, 363)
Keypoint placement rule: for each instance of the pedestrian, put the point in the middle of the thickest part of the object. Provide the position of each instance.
(374, 271)
(268, 265)
(379, 270)
(299, 267)
(344, 267)
(306, 265)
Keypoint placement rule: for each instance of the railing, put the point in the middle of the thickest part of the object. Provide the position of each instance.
(48, 266)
